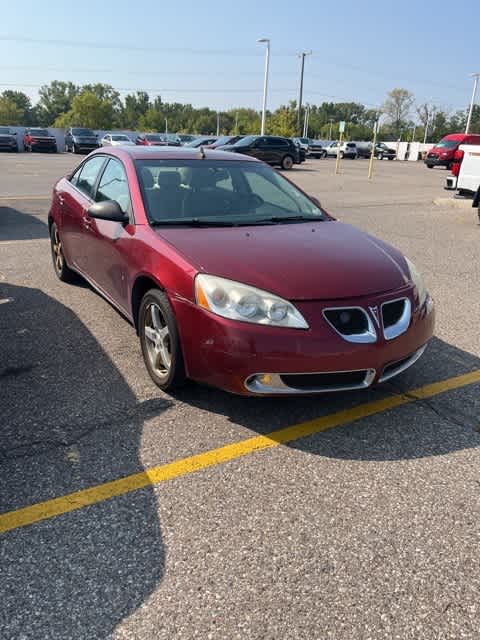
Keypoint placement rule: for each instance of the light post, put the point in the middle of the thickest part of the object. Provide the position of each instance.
(330, 132)
(472, 101)
(300, 93)
(265, 82)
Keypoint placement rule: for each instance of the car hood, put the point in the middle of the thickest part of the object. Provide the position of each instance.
(306, 261)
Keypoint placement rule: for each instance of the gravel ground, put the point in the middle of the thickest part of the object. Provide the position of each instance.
(368, 531)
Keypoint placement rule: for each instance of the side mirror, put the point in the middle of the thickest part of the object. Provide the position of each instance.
(108, 210)
(315, 201)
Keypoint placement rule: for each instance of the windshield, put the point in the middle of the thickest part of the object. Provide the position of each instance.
(4, 130)
(82, 132)
(245, 142)
(119, 138)
(153, 138)
(38, 132)
(188, 192)
(447, 144)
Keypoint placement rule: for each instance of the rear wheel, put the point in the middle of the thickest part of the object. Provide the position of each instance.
(380, 156)
(74, 148)
(390, 157)
(287, 162)
(430, 166)
(160, 342)
(63, 271)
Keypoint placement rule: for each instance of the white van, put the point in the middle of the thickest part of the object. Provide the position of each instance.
(467, 181)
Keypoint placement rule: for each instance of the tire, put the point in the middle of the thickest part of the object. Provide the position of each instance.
(478, 211)
(287, 163)
(390, 157)
(62, 270)
(341, 155)
(324, 154)
(74, 148)
(159, 340)
(449, 166)
(429, 166)
(380, 156)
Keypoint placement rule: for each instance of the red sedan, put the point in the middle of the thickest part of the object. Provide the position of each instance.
(234, 277)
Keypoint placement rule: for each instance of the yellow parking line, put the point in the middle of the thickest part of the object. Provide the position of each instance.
(2, 198)
(86, 497)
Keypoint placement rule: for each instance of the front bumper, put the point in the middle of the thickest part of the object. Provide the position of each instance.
(232, 355)
(438, 162)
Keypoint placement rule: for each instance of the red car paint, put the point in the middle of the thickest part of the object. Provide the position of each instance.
(442, 154)
(316, 265)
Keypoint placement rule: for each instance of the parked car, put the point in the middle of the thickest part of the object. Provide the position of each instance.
(158, 140)
(442, 154)
(186, 137)
(8, 139)
(202, 141)
(224, 141)
(215, 261)
(304, 143)
(81, 139)
(316, 149)
(347, 149)
(36, 139)
(271, 149)
(381, 151)
(116, 140)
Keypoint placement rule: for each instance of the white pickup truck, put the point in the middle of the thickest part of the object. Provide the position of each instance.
(467, 182)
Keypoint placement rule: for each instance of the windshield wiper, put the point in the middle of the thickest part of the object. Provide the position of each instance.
(291, 219)
(192, 222)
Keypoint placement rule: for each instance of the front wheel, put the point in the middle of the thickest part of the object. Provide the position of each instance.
(74, 148)
(160, 342)
(429, 166)
(380, 156)
(287, 162)
(62, 270)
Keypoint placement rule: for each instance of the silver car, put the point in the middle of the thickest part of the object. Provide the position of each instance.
(116, 140)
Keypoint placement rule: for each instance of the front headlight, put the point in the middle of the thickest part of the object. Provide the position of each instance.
(418, 281)
(238, 301)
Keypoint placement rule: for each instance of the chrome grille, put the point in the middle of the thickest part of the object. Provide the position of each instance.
(352, 323)
(396, 316)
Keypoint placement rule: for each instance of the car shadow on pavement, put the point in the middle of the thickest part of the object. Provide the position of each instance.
(69, 421)
(434, 426)
(20, 225)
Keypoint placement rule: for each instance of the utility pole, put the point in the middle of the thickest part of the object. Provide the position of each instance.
(236, 122)
(305, 121)
(330, 132)
(475, 76)
(166, 126)
(265, 82)
(218, 124)
(300, 94)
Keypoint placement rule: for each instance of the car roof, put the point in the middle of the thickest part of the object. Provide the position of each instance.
(174, 153)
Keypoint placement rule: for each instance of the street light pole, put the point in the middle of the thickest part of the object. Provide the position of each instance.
(218, 124)
(472, 101)
(300, 93)
(330, 132)
(265, 82)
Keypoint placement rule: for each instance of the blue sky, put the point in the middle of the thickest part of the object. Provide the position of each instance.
(205, 51)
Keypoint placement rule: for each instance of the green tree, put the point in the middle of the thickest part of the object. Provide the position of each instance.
(283, 122)
(88, 110)
(56, 99)
(136, 105)
(397, 108)
(22, 101)
(10, 113)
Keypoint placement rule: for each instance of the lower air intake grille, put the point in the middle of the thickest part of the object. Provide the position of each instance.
(325, 380)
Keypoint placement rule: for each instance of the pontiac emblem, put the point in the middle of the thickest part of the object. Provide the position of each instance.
(376, 317)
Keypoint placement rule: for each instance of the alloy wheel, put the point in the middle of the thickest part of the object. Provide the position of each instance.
(157, 340)
(57, 251)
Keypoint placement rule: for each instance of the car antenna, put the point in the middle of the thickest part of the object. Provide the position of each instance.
(202, 153)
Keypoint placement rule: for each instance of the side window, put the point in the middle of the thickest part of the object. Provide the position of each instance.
(261, 143)
(113, 185)
(88, 174)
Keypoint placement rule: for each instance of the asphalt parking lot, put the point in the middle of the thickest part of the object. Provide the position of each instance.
(132, 514)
